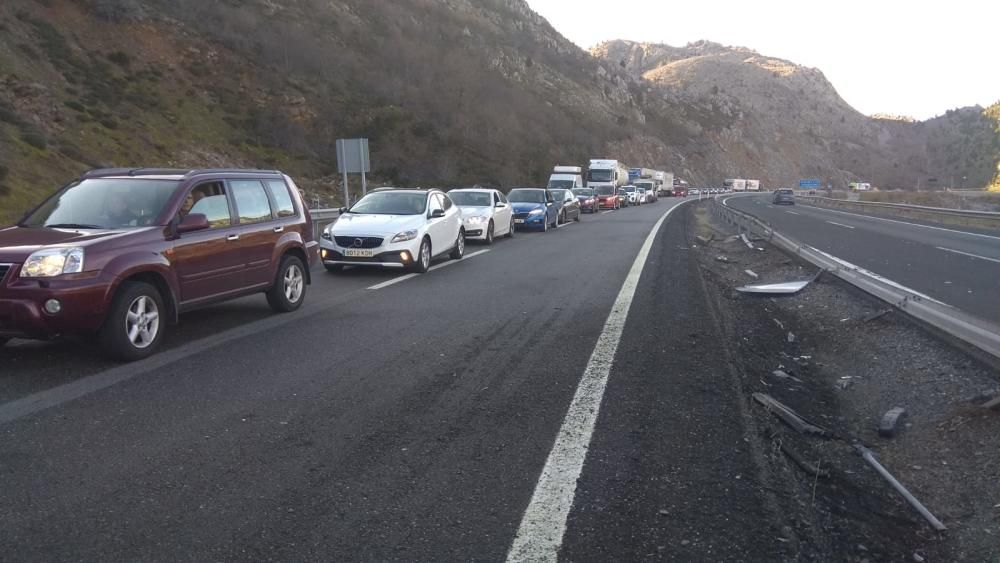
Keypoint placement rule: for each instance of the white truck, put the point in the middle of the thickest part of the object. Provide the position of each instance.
(607, 177)
(735, 184)
(664, 183)
(753, 185)
(566, 177)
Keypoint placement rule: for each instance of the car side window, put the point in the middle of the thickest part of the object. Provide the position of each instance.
(252, 204)
(283, 205)
(503, 198)
(548, 197)
(435, 204)
(496, 198)
(212, 201)
(447, 201)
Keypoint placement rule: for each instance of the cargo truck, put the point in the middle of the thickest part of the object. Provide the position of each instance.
(735, 185)
(607, 177)
(566, 178)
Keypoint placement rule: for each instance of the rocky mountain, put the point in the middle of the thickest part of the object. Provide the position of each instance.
(450, 92)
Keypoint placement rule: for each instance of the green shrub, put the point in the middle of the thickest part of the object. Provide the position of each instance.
(109, 122)
(4, 171)
(75, 106)
(34, 137)
(120, 58)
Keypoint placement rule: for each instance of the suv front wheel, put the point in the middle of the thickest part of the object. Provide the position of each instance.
(289, 289)
(135, 324)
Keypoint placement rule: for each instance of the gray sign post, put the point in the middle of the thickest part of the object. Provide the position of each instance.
(353, 158)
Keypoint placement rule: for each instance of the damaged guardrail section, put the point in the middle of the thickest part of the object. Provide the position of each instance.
(980, 333)
(981, 219)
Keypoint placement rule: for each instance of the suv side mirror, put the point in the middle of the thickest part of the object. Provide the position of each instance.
(342, 210)
(437, 213)
(193, 222)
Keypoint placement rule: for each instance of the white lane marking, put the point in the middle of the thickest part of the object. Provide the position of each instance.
(540, 534)
(606, 212)
(394, 281)
(792, 212)
(969, 254)
(906, 223)
(564, 225)
(841, 225)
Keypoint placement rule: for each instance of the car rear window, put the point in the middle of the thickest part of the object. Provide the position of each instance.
(283, 205)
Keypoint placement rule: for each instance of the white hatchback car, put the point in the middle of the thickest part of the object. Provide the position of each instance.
(394, 228)
(485, 213)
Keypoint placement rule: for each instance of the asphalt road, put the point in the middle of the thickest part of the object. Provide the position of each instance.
(408, 422)
(957, 266)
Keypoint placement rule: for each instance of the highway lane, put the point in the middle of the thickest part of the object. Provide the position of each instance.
(952, 265)
(409, 422)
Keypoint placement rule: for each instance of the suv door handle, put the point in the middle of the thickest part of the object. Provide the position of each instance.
(233, 237)
(279, 229)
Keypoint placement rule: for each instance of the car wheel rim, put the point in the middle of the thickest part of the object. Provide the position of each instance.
(489, 233)
(461, 243)
(425, 255)
(294, 283)
(142, 322)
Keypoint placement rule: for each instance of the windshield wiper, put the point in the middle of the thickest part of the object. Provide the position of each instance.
(72, 226)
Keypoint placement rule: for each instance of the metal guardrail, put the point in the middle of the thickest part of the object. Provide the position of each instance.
(321, 218)
(939, 214)
(980, 333)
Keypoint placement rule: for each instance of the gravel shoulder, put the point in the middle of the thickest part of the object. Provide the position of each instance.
(844, 365)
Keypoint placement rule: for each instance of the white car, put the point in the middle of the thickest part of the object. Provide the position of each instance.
(394, 228)
(486, 213)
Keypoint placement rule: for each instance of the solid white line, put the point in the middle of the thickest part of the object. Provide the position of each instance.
(969, 254)
(394, 281)
(606, 212)
(544, 523)
(841, 225)
(564, 225)
(792, 212)
(905, 223)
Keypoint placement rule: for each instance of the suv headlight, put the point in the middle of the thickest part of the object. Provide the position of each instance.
(51, 262)
(476, 219)
(328, 232)
(537, 212)
(405, 236)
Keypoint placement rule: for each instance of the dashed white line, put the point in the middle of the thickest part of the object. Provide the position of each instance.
(841, 225)
(561, 225)
(969, 254)
(394, 281)
(540, 534)
(907, 223)
(606, 212)
(792, 212)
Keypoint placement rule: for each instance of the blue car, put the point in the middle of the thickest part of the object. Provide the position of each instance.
(534, 208)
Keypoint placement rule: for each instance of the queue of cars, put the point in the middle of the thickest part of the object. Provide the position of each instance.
(118, 254)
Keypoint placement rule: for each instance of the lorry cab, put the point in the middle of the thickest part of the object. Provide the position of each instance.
(566, 178)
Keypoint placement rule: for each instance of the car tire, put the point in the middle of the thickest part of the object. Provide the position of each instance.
(579, 213)
(137, 306)
(545, 225)
(423, 261)
(489, 233)
(459, 250)
(334, 268)
(289, 289)
(510, 233)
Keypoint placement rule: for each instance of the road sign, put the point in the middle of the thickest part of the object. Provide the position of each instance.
(810, 183)
(634, 174)
(352, 158)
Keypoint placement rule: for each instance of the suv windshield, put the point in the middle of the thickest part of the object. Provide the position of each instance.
(391, 203)
(104, 203)
(561, 183)
(583, 191)
(471, 199)
(526, 196)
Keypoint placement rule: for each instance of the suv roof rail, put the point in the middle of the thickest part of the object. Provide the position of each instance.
(186, 172)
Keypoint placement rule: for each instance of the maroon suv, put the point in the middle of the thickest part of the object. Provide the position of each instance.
(121, 253)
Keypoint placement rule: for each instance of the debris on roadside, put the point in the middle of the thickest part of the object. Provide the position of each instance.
(746, 241)
(869, 456)
(704, 240)
(791, 338)
(721, 258)
(782, 374)
(783, 288)
(992, 405)
(789, 416)
(801, 462)
(889, 425)
(752, 274)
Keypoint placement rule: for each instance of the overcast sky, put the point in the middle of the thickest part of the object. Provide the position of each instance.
(908, 57)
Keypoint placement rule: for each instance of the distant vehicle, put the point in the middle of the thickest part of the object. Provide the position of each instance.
(608, 197)
(566, 177)
(589, 202)
(735, 185)
(395, 228)
(753, 185)
(860, 186)
(648, 188)
(642, 195)
(631, 195)
(568, 205)
(533, 208)
(648, 179)
(665, 186)
(695, 191)
(783, 196)
(485, 213)
(119, 254)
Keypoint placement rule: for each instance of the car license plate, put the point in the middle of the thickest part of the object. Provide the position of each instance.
(519, 221)
(359, 253)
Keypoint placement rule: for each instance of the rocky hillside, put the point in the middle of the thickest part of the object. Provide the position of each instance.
(776, 120)
(450, 92)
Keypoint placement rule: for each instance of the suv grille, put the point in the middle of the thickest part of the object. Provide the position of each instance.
(359, 242)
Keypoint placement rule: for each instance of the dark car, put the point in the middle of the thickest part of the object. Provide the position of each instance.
(568, 205)
(121, 253)
(588, 199)
(783, 196)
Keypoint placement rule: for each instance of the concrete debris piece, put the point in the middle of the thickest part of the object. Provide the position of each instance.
(918, 557)
(890, 422)
(746, 241)
(870, 458)
(780, 324)
(784, 288)
(791, 338)
(781, 374)
(721, 258)
(844, 383)
(752, 274)
(789, 416)
(704, 240)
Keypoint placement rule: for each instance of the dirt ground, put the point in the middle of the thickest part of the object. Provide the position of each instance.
(844, 367)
